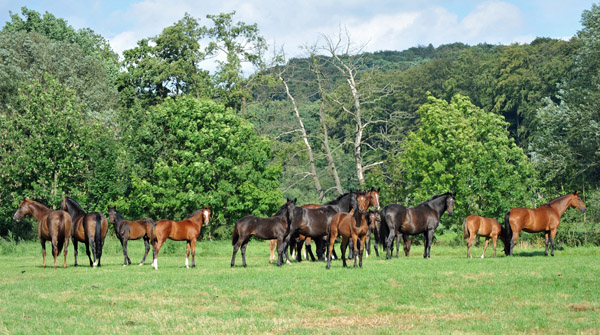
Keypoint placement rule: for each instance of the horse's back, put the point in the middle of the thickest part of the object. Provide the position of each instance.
(177, 230)
(483, 226)
(530, 220)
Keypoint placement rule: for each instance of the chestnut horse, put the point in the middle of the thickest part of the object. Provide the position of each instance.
(545, 218)
(475, 225)
(88, 228)
(185, 230)
(353, 226)
(423, 219)
(275, 227)
(53, 226)
(131, 230)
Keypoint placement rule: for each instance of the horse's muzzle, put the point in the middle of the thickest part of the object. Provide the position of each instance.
(583, 210)
(17, 217)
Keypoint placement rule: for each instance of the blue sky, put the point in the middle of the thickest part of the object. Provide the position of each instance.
(375, 24)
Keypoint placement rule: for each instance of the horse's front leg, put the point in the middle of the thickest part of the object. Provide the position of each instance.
(187, 254)
(485, 245)
(547, 241)
(552, 235)
(355, 247)
(194, 252)
(407, 243)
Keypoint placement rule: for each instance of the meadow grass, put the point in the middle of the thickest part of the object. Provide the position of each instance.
(526, 294)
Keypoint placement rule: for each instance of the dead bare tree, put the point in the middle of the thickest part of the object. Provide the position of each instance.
(347, 59)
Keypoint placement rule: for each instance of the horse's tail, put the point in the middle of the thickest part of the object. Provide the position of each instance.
(98, 236)
(507, 233)
(465, 230)
(150, 229)
(235, 236)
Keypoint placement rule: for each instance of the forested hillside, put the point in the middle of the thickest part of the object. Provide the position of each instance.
(158, 135)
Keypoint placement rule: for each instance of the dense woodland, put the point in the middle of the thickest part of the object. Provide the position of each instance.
(156, 134)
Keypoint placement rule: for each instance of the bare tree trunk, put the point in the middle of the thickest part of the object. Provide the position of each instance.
(330, 162)
(305, 139)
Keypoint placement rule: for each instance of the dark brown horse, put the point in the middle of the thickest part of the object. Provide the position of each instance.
(131, 230)
(475, 225)
(423, 219)
(352, 226)
(53, 226)
(374, 220)
(545, 218)
(274, 227)
(89, 228)
(314, 223)
(185, 230)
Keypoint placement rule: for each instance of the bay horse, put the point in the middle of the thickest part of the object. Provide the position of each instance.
(53, 226)
(89, 228)
(423, 219)
(352, 226)
(271, 228)
(185, 230)
(131, 230)
(314, 223)
(475, 225)
(545, 218)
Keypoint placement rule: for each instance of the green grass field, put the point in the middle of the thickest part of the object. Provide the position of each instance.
(526, 294)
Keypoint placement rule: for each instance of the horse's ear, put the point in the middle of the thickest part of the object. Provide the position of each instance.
(295, 199)
(576, 192)
(378, 189)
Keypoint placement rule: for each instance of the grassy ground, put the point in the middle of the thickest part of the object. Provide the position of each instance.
(448, 293)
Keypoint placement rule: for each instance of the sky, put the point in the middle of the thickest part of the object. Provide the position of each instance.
(374, 25)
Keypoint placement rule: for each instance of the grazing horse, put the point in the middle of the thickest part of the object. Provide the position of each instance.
(353, 226)
(374, 220)
(185, 230)
(88, 228)
(314, 223)
(475, 225)
(131, 230)
(271, 228)
(545, 218)
(423, 219)
(53, 226)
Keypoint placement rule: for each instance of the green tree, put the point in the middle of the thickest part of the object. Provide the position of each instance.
(204, 154)
(50, 148)
(167, 65)
(461, 148)
(567, 141)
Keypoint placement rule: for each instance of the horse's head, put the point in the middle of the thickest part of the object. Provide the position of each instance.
(290, 206)
(373, 197)
(362, 202)
(206, 215)
(374, 219)
(450, 201)
(577, 202)
(112, 214)
(22, 210)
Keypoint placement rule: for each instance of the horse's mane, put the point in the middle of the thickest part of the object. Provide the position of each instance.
(336, 200)
(193, 214)
(74, 204)
(558, 198)
(280, 210)
(438, 196)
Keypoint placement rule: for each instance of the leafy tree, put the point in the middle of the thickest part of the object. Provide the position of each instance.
(165, 65)
(461, 148)
(49, 148)
(567, 141)
(205, 155)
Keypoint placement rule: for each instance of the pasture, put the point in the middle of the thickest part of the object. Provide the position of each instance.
(526, 294)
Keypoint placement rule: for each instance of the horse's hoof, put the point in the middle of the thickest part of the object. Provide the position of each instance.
(141, 264)
(124, 265)
(482, 257)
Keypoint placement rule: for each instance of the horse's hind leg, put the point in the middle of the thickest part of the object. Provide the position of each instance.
(244, 251)
(343, 248)
(147, 247)
(494, 239)
(125, 256)
(187, 254)
(87, 250)
(66, 247)
(75, 249)
(43, 242)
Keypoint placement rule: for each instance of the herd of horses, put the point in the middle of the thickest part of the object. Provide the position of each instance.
(293, 227)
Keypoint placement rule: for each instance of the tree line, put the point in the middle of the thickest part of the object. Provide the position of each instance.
(156, 134)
